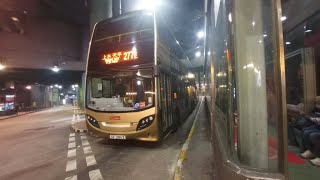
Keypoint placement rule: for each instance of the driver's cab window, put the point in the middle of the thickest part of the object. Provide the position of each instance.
(96, 89)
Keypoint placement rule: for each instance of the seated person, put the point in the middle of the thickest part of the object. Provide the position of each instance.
(304, 122)
(312, 142)
(311, 135)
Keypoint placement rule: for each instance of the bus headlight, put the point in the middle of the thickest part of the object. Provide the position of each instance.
(93, 121)
(145, 122)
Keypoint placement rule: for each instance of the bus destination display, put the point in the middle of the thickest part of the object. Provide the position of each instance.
(122, 56)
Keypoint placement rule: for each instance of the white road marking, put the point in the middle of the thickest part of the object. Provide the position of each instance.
(83, 137)
(72, 134)
(73, 117)
(85, 143)
(87, 150)
(95, 175)
(60, 120)
(91, 160)
(72, 153)
(74, 177)
(72, 145)
(71, 165)
(72, 139)
(77, 118)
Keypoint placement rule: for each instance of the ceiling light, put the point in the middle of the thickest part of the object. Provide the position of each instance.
(28, 87)
(308, 30)
(200, 34)
(2, 66)
(60, 87)
(148, 4)
(288, 42)
(190, 75)
(283, 18)
(55, 69)
(198, 54)
(253, 23)
(230, 17)
(265, 35)
(14, 19)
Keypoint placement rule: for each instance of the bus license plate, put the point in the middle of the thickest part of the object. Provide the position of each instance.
(117, 137)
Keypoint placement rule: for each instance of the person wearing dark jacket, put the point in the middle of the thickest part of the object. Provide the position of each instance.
(311, 135)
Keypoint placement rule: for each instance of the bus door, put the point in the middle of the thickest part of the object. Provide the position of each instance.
(166, 119)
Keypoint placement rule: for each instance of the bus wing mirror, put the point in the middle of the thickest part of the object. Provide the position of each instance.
(156, 72)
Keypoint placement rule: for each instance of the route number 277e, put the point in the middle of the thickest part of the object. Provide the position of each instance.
(113, 58)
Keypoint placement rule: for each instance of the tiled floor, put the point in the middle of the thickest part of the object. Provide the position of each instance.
(302, 171)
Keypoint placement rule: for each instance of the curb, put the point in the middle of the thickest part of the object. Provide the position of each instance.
(13, 116)
(78, 130)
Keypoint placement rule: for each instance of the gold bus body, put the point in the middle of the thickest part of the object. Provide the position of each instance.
(126, 124)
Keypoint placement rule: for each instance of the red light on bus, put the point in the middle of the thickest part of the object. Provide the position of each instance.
(117, 57)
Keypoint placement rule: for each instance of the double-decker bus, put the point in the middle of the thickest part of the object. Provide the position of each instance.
(136, 86)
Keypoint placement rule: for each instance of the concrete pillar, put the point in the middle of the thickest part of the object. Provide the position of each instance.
(99, 10)
(251, 81)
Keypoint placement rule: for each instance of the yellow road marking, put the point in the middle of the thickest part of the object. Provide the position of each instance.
(178, 170)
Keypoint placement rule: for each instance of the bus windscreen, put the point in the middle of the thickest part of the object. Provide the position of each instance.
(120, 90)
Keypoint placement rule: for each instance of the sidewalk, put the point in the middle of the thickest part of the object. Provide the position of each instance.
(56, 108)
(15, 115)
(198, 161)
